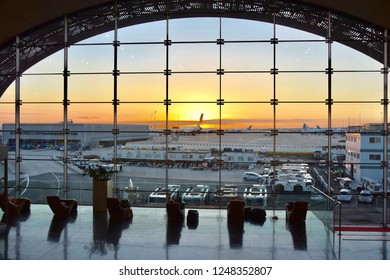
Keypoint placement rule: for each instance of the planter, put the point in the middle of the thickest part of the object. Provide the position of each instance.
(101, 190)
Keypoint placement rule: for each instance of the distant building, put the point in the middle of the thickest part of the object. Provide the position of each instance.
(364, 154)
(34, 135)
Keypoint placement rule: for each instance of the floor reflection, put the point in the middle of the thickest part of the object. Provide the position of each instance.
(298, 234)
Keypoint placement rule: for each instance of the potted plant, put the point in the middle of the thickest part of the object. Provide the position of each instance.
(102, 187)
(99, 173)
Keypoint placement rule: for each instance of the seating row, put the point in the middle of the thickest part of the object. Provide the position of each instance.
(121, 209)
(63, 208)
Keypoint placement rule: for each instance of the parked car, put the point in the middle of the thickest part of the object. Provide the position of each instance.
(345, 195)
(251, 176)
(366, 196)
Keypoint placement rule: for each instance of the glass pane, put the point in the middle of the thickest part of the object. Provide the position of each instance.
(147, 88)
(302, 87)
(51, 64)
(356, 115)
(152, 115)
(345, 58)
(294, 116)
(41, 113)
(301, 56)
(91, 88)
(354, 87)
(247, 57)
(141, 58)
(91, 113)
(31, 89)
(247, 87)
(194, 57)
(146, 32)
(239, 117)
(82, 59)
(194, 29)
(194, 87)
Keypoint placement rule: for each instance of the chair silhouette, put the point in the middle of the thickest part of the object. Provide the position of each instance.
(175, 214)
(14, 206)
(235, 211)
(296, 212)
(119, 209)
(62, 208)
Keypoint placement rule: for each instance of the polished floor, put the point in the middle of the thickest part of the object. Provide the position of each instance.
(90, 236)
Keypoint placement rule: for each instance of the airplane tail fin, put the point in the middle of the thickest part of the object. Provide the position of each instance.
(200, 119)
(305, 126)
(250, 127)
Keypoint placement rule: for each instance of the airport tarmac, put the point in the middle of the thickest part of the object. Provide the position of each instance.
(261, 142)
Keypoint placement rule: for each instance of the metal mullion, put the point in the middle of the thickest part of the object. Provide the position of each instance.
(65, 108)
(115, 101)
(18, 104)
(385, 127)
(329, 102)
(166, 102)
(220, 103)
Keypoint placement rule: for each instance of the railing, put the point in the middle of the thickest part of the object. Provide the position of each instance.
(319, 203)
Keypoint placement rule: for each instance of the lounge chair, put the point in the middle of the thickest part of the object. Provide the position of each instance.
(174, 211)
(296, 212)
(14, 206)
(62, 208)
(119, 209)
(235, 211)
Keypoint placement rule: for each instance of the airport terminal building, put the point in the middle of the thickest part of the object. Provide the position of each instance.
(364, 153)
(84, 136)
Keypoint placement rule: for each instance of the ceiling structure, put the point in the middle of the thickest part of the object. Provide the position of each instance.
(18, 16)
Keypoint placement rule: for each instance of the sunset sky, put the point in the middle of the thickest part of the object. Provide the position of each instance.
(247, 96)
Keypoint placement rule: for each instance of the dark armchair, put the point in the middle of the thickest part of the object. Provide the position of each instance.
(174, 211)
(235, 211)
(296, 212)
(119, 209)
(14, 206)
(62, 208)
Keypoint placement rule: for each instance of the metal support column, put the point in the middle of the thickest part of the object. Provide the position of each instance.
(115, 101)
(329, 103)
(65, 103)
(18, 129)
(385, 103)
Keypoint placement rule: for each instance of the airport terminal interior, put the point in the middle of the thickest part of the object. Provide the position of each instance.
(194, 130)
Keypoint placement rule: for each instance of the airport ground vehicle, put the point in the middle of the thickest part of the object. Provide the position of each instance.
(345, 195)
(348, 183)
(226, 193)
(366, 196)
(255, 194)
(162, 194)
(251, 176)
(196, 195)
(293, 186)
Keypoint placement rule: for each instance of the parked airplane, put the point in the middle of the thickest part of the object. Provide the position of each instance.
(316, 129)
(191, 129)
(240, 130)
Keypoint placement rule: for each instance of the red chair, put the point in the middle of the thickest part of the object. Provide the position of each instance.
(119, 209)
(296, 212)
(14, 206)
(62, 208)
(235, 210)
